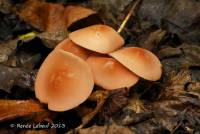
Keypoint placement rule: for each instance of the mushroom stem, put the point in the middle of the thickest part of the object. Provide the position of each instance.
(128, 16)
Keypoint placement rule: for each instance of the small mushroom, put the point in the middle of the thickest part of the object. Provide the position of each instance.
(140, 61)
(64, 81)
(110, 74)
(98, 38)
(69, 46)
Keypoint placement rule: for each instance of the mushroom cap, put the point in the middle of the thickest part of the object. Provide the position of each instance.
(69, 46)
(64, 81)
(98, 38)
(110, 74)
(75, 13)
(140, 61)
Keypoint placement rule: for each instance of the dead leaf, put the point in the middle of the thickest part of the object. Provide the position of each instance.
(5, 6)
(51, 39)
(191, 53)
(6, 49)
(16, 76)
(76, 13)
(100, 97)
(129, 117)
(169, 52)
(49, 131)
(110, 129)
(180, 17)
(114, 103)
(11, 109)
(52, 17)
(154, 39)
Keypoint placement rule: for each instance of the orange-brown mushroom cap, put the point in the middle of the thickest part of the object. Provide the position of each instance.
(98, 38)
(110, 74)
(140, 61)
(69, 46)
(64, 81)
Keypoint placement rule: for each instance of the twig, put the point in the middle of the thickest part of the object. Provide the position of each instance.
(131, 12)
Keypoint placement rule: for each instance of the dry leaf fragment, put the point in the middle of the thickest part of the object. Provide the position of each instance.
(16, 76)
(6, 49)
(76, 13)
(154, 39)
(52, 17)
(191, 53)
(46, 131)
(51, 39)
(33, 12)
(43, 16)
(11, 109)
(114, 103)
(5, 6)
(168, 52)
(110, 129)
(100, 96)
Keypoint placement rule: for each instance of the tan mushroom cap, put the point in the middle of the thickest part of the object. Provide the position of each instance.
(69, 46)
(110, 74)
(140, 61)
(98, 38)
(64, 81)
(75, 13)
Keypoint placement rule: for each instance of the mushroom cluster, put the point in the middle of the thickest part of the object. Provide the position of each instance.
(91, 56)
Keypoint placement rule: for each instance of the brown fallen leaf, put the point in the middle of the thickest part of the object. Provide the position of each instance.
(6, 49)
(169, 52)
(176, 84)
(152, 42)
(109, 129)
(76, 13)
(10, 77)
(5, 6)
(184, 56)
(191, 53)
(31, 13)
(52, 17)
(51, 39)
(45, 131)
(100, 97)
(11, 109)
(114, 103)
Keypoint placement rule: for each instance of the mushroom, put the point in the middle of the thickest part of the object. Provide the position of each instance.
(64, 81)
(99, 38)
(140, 61)
(110, 74)
(69, 46)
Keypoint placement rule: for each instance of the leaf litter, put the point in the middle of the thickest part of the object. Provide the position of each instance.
(171, 105)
